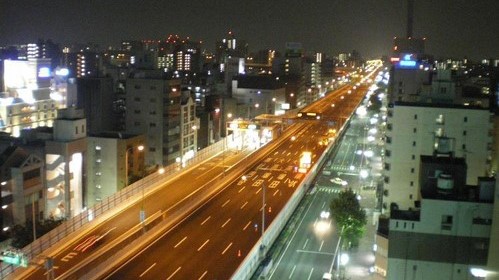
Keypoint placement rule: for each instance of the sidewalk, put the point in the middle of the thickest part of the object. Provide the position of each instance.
(362, 257)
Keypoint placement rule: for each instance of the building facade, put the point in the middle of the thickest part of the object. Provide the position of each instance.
(114, 161)
(65, 159)
(414, 129)
(153, 108)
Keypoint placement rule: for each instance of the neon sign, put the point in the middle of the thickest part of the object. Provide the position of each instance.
(407, 61)
(43, 72)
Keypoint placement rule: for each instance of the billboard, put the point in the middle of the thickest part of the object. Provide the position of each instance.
(32, 73)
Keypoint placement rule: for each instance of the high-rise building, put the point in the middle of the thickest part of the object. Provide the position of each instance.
(230, 47)
(82, 62)
(415, 129)
(96, 97)
(180, 55)
(154, 107)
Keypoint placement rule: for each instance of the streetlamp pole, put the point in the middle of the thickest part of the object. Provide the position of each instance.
(263, 217)
(142, 213)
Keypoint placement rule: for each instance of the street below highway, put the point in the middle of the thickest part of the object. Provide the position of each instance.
(306, 247)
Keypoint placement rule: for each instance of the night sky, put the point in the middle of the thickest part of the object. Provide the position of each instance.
(453, 28)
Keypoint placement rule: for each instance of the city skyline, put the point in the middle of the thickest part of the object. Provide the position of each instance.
(452, 28)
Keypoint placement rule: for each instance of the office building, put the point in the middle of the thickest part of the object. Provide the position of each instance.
(154, 108)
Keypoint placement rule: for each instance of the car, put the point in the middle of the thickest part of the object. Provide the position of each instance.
(327, 276)
(325, 214)
(339, 181)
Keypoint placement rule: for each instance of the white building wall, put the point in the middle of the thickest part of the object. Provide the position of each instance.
(401, 269)
(462, 212)
(431, 223)
(102, 168)
(263, 97)
(412, 133)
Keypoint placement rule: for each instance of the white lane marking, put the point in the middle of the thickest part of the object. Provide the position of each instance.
(292, 271)
(223, 205)
(310, 274)
(180, 242)
(276, 192)
(322, 244)
(145, 271)
(209, 217)
(247, 225)
(305, 245)
(201, 247)
(203, 275)
(175, 272)
(240, 190)
(323, 204)
(55, 267)
(315, 252)
(244, 205)
(226, 222)
(258, 191)
(227, 248)
(69, 256)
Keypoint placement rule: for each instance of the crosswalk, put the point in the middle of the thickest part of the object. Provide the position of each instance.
(337, 167)
(329, 190)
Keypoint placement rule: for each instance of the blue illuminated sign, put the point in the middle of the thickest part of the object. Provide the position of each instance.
(43, 72)
(407, 63)
(62, 72)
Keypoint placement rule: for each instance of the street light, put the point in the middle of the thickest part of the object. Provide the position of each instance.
(140, 148)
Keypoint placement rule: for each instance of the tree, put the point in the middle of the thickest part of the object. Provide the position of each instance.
(23, 235)
(349, 216)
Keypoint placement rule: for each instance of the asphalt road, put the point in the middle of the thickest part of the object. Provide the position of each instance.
(307, 249)
(171, 193)
(212, 242)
